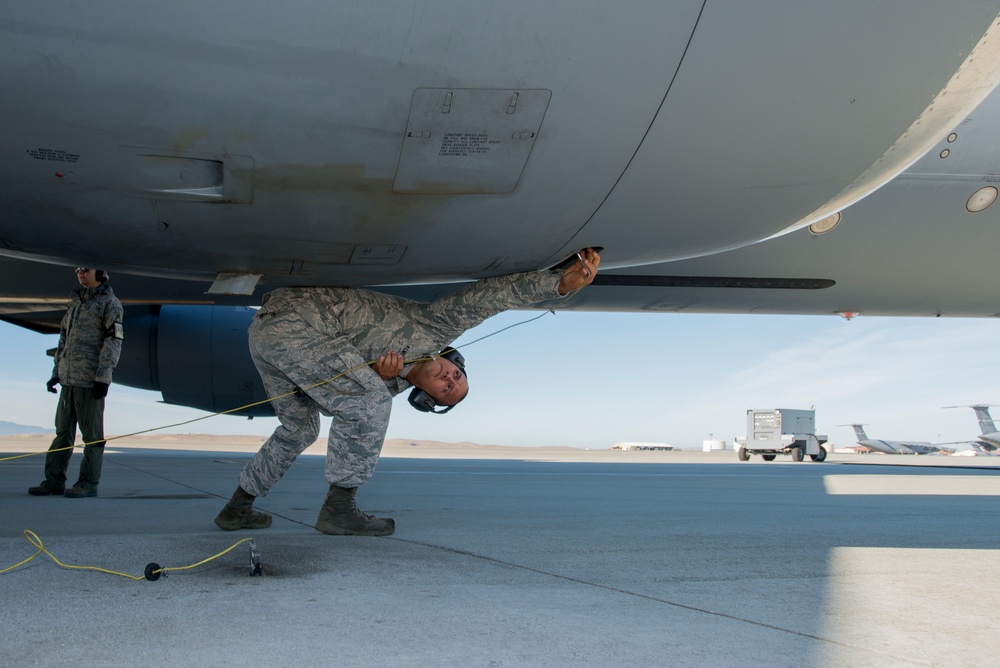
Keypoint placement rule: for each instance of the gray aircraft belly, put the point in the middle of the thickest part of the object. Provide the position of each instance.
(300, 143)
(746, 147)
(315, 105)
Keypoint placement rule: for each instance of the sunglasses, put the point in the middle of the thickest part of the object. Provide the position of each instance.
(82, 270)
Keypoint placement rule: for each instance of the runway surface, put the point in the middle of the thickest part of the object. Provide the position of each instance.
(677, 559)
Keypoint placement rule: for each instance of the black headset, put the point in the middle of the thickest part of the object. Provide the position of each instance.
(101, 275)
(422, 401)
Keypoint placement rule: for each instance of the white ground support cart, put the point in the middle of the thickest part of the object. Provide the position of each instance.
(781, 431)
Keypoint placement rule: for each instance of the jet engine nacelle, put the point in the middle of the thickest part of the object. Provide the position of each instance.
(195, 356)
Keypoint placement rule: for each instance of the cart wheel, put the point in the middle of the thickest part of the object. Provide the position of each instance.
(796, 454)
(821, 456)
(743, 455)
(767, 458)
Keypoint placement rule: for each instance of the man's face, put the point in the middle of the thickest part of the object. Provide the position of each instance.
(87, 277)
(441, 379)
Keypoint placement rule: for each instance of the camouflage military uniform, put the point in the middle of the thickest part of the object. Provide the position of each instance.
(90, 342)
(304, 336)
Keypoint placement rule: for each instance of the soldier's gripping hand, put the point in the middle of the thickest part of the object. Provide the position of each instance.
(581, 273)
(388, 366)
(51, 385)
(99, 390)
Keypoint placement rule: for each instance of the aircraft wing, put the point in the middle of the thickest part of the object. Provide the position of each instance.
(982, 446)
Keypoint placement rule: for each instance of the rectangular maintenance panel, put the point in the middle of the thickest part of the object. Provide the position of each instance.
(468, 141)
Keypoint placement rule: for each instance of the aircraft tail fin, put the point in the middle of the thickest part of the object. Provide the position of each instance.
(859, 431)
(986, 425)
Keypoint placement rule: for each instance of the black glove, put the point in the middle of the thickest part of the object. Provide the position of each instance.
(99, 390)
(51, 385)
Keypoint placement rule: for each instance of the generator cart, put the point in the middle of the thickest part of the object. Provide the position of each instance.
(781, 431)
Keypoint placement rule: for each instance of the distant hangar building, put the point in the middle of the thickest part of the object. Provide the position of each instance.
(633, 445)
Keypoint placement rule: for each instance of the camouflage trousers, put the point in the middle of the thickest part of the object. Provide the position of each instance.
(289, 354)
(77, 406)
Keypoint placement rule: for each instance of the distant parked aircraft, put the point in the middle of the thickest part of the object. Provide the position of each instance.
(989, 440)
(893, 447)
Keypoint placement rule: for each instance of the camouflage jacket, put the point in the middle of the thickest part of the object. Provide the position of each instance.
(90, 338)
(376, 323)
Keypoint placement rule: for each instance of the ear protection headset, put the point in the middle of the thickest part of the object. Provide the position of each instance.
(100, 274)
(422, 401)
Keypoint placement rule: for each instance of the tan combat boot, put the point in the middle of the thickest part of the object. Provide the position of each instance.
(340, 517)
(239, 513)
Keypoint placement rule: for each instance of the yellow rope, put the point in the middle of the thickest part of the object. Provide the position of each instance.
(37, 542)
(33, 538)
(210, 415)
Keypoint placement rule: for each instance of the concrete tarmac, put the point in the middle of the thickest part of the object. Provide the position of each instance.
(677, 559)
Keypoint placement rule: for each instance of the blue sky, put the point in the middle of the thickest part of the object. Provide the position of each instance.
(592, 380)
